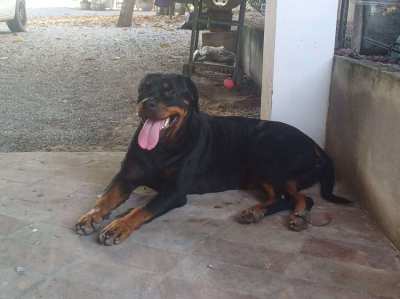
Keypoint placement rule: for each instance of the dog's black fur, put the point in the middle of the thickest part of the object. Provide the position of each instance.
(211, 154)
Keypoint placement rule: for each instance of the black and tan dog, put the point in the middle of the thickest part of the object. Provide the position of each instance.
(178, 150)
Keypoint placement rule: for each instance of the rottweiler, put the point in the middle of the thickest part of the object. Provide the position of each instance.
(178, 150)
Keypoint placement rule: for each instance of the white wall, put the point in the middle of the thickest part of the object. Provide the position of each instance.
(302, 58)
(52, 3)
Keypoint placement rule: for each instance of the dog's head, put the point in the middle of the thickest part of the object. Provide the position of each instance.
(165, 101)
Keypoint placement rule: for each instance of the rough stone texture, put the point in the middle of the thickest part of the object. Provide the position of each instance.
(70, 83)
(197, 251)
(363, 137)
(252, 52)
(74, 88)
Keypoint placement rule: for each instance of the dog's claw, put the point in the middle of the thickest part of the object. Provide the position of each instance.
(104, 239)
(88, 223)
(84, 230)
(114, 233)
(299, 221)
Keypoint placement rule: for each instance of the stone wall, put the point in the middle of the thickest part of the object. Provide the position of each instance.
(363, 137)
(252, 48)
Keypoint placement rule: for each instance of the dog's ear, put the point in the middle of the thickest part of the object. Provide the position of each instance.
(191, 87)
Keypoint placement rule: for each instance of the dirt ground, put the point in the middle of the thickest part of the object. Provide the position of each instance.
(69, 83)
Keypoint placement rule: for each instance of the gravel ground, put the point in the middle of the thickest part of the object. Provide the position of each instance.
(68, 87)
(69, 84)
(68, 11)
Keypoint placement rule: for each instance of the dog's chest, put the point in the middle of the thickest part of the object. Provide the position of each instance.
(168, 173)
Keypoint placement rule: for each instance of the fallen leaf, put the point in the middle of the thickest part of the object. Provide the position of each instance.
(20, 270)
(18, 40)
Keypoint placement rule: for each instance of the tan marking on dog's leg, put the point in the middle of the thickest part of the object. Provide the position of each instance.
(257, 212)
(111, 199)
(297, 220)
(121, 228)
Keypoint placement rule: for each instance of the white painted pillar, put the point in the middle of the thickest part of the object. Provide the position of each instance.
(299, 40)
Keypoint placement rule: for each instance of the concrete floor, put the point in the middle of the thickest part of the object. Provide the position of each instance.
(197, 251)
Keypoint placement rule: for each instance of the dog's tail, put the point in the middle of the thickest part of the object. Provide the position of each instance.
(327, 180)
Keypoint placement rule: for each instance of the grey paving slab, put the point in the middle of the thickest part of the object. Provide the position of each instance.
(197, 251)
(348, 275)
(98, 274)
(8, 225)
(247, 255)
(22, 210)
(171, 288)
(271, 233)
(211, 273)
(14, 284)
(378, 257)
(40, 248)
(61, 288)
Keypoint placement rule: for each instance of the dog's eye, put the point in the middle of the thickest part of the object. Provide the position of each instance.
(168, 93)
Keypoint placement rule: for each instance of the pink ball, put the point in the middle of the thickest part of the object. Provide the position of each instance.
(229, 84)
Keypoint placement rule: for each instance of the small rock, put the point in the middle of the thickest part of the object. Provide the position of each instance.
(18, 40)
(35, 230)
(210, 266)
(20, 270)
(164, 45)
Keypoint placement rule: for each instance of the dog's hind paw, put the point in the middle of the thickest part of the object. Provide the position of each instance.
(251, 215)
(299, 221)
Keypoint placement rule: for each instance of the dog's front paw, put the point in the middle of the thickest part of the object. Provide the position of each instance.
(116, 232)
(89, 222)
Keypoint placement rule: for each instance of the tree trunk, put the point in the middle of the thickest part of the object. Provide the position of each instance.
(126, 14)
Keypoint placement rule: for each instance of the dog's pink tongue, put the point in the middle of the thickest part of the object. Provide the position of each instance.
(150, 134)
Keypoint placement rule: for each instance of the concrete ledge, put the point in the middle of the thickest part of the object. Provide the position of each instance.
(252, 48)
(363, 136)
